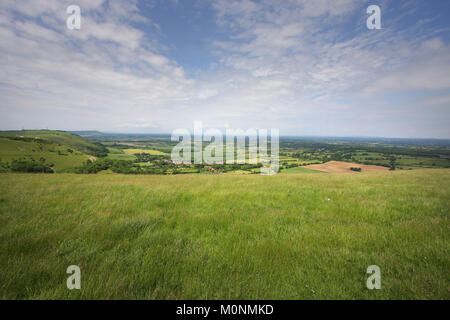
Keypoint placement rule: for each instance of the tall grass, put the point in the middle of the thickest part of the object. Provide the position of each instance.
(225, 236)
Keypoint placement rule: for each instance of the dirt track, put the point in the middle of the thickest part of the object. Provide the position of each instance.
(344, 167)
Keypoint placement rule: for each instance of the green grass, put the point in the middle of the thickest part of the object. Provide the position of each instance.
(63, 138)
(238, 172)
(114, 150)
(299, 170)
(117, 156)
(17, 149)
(128, 154)
(404, 161)
(225, 236)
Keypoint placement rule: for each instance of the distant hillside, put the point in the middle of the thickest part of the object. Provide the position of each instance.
(88, 134)
(32, 151)
(61, 138)
(102, 136)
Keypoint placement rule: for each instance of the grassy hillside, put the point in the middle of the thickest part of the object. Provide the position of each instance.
(63, 138)
(227, 236)
(62, 157)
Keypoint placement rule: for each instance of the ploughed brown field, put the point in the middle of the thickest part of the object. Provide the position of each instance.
(344, 167)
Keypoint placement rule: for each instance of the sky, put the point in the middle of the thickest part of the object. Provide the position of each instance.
(306, 67)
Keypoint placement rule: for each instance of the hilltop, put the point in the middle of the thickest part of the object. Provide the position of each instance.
(64, 138)
(46, 150)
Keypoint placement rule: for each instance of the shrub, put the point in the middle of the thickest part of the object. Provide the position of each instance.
(30, 165)
(4, 167)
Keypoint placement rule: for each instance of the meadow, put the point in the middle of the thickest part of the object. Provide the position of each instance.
(287, 236)
(61, 157)
(59, 138)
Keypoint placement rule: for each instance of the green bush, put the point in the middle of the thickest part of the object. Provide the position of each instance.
(117, 166)
(4, 167)
(30, 165)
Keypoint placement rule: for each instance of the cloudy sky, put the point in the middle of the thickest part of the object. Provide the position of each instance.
(307, 67)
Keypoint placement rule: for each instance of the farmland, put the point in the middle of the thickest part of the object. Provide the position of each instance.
(151, 154)
(296, 152)
(343, 167)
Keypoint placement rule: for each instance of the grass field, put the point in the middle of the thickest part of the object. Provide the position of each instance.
(149, 151)
(226, 236)
(344, 167)
(299, 170)
(118, 156)
(61, 138)
(53, 153)
(129, 154)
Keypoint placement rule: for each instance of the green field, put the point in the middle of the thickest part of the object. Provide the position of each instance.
(149, 151)
(52, 153)
(225, 236)
(60, 150)
(129, 154)
(61, 138)
(299, 170)
(124, 156)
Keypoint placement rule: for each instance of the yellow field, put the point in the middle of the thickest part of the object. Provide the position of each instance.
(344, 167)
(149, 151)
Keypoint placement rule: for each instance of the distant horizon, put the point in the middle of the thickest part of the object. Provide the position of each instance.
(281, 135)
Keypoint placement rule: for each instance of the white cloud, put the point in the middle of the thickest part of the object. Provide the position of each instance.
(103, 71)
(313, 68)
(292, 64)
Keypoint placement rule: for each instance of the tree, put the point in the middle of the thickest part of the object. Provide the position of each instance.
(392, 160)
(30, 165)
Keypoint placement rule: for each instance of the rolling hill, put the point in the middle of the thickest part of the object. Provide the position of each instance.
(62, 138)
(60, 150)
